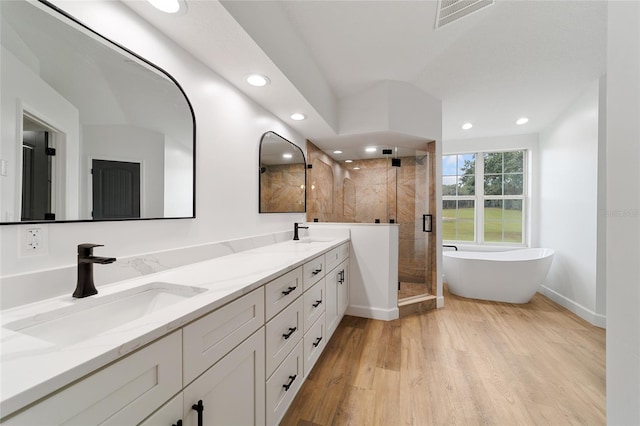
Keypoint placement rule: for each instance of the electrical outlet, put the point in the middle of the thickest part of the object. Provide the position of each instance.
(34, 241)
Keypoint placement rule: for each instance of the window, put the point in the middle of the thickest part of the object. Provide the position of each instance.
(483, 197)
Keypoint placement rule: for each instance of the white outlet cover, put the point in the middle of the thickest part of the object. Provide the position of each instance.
(34, 241)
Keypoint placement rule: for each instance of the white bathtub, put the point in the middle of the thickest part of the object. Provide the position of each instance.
(506, 276)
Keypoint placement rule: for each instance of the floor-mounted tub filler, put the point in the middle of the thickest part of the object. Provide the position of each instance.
(507, 276)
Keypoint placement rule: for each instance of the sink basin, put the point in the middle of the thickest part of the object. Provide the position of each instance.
(89, 317)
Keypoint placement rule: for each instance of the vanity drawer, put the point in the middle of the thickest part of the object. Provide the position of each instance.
(283, 333)
(312, 271)
(314, 301)
(280, 292)
(125, 392)
(314, 342)
(211, 337)
(336, 255)
(284, 384)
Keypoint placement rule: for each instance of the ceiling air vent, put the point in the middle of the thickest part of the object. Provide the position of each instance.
(452, 10)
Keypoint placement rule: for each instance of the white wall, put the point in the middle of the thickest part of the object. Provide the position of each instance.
(622, 214)
(568, 208)
(229, 126)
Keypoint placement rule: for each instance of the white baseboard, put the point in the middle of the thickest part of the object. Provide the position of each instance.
(596, 319)
(440, 302)
(373, 313)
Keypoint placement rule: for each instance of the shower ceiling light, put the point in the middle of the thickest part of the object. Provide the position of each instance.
(167, 6)
(467, 126)
(370, 149)
(348, 161)
(521, 121)
(337, 151)
(298, 116)
(258, 80)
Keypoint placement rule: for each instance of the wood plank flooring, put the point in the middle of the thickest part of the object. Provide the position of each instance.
(470, 363)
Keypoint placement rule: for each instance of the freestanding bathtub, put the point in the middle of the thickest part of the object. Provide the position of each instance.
(507, 276)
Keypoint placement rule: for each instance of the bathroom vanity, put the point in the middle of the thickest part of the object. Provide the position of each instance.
(227, 340)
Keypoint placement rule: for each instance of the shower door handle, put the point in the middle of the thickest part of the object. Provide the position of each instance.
(427, 225)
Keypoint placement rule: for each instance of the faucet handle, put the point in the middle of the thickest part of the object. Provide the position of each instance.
(86, 249)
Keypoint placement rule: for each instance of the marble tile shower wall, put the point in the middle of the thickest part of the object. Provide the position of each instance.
(280, 190)
(26, 288)
(379, 191)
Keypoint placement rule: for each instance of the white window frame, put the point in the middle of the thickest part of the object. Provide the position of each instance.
(479, 198)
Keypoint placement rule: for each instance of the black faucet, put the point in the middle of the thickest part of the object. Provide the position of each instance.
(297, 226)
(86, 259)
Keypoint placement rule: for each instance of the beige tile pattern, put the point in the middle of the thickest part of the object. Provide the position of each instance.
(281, 189)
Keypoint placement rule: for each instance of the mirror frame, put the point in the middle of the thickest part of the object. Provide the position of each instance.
(116, 46)
(304, 159)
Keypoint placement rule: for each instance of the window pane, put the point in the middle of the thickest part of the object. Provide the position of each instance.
(503, 221)
(514, 162)
(458, 219)
(513, 184)
(449, 165)
(466, 164)
(493, 185)
(467, 185)
(492, 162)
(449, 185)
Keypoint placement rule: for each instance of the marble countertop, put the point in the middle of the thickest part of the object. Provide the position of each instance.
(32, 367)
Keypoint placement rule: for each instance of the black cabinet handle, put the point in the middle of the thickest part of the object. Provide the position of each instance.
(178, 423)
(291, 331)
(318, 302)
(317, 342)
(288, 290)
(288, 385)
(199, 407)
(317, 271)
(341, 276)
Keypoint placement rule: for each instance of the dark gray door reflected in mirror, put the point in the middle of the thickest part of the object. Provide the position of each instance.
(94, 100)
(282, 174)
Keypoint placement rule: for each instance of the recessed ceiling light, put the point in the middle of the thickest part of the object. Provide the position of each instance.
(356, 168)
(167, 6)
(287, 155)
(467, 126)
(337, 151)
(522, 120)
(370, 149)
(298, 116)
(348, 161)
(258, 80)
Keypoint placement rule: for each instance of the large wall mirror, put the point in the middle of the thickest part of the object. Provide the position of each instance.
(90, 131)
(282, 175)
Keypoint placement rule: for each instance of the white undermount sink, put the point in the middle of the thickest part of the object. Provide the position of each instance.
(309, 240)
(89, 317)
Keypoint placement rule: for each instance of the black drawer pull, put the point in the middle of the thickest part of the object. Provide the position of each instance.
(317, 342)
(178, 423)
(291, 331)
(316, 271)
(288, 290)
(288, 385)
(318, 302)
(199, 407)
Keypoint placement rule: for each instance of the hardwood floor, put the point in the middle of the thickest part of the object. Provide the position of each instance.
(470, 363)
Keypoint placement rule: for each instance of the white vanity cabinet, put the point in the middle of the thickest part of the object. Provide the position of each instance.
(123, 393)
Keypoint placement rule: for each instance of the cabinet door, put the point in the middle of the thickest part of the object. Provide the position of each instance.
(314, 301)
(314, 342)
(123, 393)
(232, 391)
(284, 384)
(168, 414)
(331, 298)
(343, 288)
